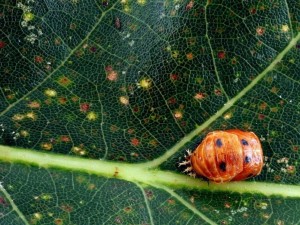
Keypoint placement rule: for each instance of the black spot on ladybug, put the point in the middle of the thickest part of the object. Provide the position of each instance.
(222, 166)
(244, 142)
(219, 143)
(250, 175)
(247, 159)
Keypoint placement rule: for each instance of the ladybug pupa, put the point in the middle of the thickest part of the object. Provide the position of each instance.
(223, 156)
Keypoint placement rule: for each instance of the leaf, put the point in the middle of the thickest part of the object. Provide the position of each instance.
(100, 100)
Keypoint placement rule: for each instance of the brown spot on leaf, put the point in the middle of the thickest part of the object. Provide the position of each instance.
(84, 107)
(221, 54)
(65, 138)
(260, 31)
(66, 208)
(135, 142)
(58, 221)
(218, 92)
(261, 116)
(38, 59)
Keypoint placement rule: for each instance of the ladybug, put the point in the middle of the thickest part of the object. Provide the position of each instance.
(223, 156)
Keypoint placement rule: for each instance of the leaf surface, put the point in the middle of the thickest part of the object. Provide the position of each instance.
(99, 101)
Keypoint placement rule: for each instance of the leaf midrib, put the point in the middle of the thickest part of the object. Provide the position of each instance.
(137, 174)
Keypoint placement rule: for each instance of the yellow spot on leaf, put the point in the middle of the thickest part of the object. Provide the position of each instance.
(82, 152)
(175, 54)
(46, 197)
(228, 116)
(285, 28)
(292, 61)
(24, 133)
(144, 83)
(274, 109)
(50, 92)
(28, 16)
(127, 8)
(47, 146)
(78, 150)
(261, 205)
(178, 114)
(91, 116)
(124, 100)
(38, 216)
(141, 2)
(18, 117)
(31, 115)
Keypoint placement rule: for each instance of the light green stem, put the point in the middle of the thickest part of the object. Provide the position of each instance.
(133, 173)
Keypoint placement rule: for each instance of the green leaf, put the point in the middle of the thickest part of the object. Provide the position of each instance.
(99, 101)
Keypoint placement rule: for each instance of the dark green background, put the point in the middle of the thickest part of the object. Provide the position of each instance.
(81, 41)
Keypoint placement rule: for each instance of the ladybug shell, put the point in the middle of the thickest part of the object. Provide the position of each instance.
(228, 155)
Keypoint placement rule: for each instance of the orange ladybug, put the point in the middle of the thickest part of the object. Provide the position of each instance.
(223, 156)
